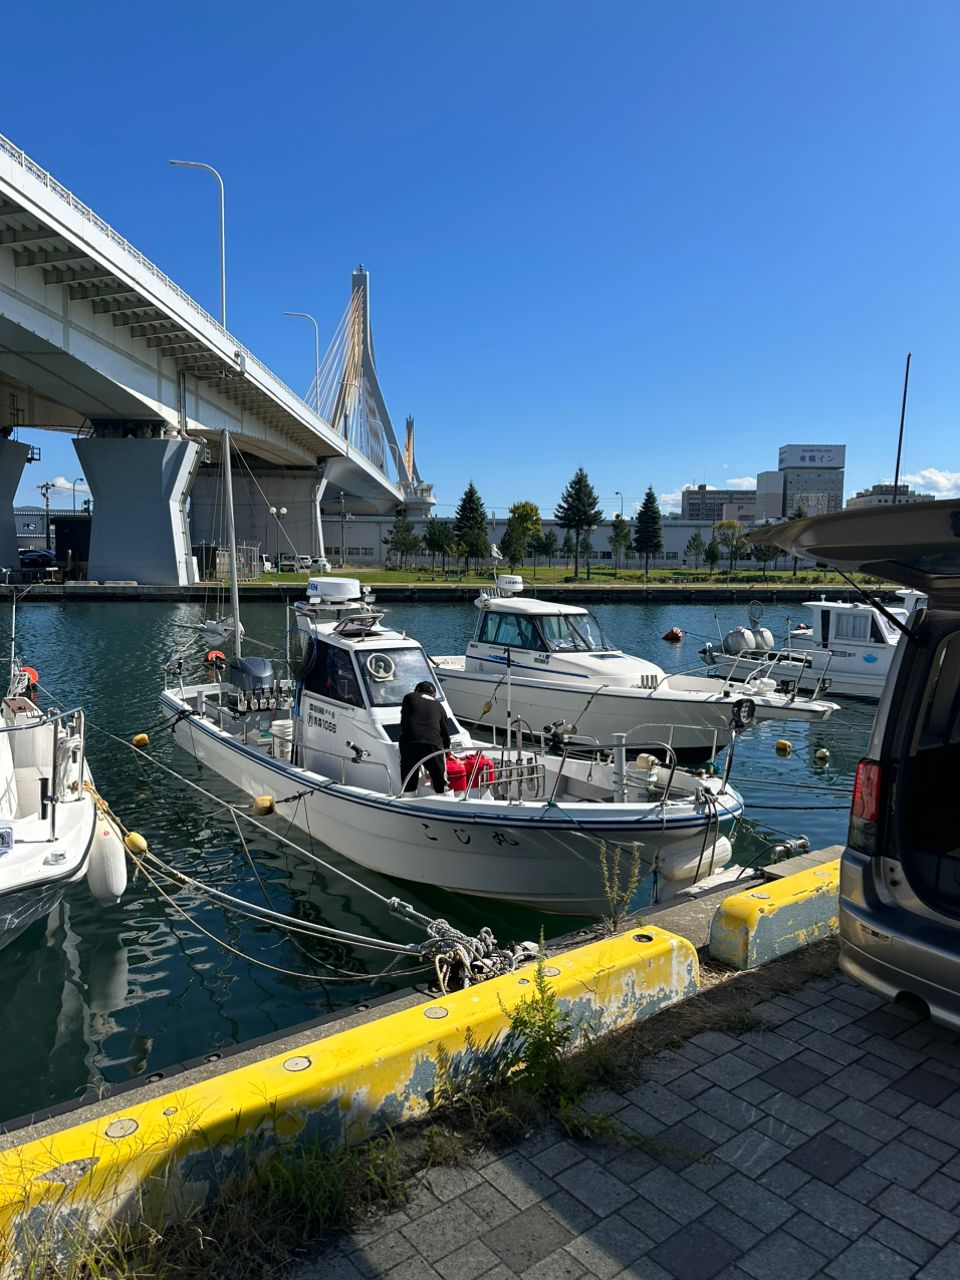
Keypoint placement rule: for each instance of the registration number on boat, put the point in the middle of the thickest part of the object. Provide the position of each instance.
(6, 837)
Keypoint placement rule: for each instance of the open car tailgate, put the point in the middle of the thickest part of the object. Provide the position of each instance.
(914, 543)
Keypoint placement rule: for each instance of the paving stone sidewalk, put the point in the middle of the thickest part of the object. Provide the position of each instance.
(826, 1144)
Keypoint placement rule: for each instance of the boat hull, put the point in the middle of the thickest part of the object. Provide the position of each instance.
(545, 857)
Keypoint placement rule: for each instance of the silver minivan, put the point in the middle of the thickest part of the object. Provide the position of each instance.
(900, 871)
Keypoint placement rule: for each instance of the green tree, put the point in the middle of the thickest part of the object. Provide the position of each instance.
(620, 540)
(730, 535)
(764, 552)
(695, 547)
(523, 523)
(586, 551)
(712, 555)
(648, 531)
(536, 546)
(470, 525)
(577, 511)
(550, 546)
(798, 513)
(402, 540)
(512, 545)
(439, 540)
(568, 548)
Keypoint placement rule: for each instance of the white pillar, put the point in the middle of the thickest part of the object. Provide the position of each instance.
(13, 457)
(140, 532)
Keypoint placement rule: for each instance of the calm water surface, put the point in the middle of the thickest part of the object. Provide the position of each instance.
(98, 994)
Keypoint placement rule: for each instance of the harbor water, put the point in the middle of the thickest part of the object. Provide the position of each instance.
(97, 995)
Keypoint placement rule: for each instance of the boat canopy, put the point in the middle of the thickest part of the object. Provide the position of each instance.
(525, 605)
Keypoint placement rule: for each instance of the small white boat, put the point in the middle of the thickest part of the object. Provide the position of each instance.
(847, 649)
(51, 833)
(545, 663)
(519, 825)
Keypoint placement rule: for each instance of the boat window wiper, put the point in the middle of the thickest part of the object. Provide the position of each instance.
(904, 630)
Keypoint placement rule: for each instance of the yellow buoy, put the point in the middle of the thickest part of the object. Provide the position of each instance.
(486, 708)
(134, 842)
(140, 740)
(782, 747)
(262, 805)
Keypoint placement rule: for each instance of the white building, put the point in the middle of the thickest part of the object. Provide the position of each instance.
(881, 495)
(808, 476)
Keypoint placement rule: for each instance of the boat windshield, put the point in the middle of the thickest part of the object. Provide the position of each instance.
(564, 632)
(390, 674)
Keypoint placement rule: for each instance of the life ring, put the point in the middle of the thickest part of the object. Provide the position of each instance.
(381, 667)
(31, 673)
(215, 658)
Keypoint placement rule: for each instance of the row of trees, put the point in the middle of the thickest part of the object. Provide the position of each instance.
(578, 513)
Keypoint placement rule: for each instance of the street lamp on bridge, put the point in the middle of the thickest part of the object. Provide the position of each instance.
(195, 164)
(79, 480)
(304, 315)
(278, 513)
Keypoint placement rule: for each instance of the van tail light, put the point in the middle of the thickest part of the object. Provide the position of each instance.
(865, 809)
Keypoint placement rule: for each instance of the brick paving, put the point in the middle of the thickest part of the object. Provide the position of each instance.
(826, 1144)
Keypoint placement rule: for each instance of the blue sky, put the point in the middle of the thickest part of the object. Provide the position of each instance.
(654, 240)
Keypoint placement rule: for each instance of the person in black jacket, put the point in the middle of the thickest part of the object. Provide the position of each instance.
(423, 731)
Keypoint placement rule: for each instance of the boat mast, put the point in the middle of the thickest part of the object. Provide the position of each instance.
(13, 642)
(231, 543)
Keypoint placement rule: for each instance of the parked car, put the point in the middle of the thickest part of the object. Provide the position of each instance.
(36, 558)
(321, 563)
(294, 564)
(900, 872)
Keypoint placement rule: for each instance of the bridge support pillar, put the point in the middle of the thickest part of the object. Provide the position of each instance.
(140, 531)
(13, 457)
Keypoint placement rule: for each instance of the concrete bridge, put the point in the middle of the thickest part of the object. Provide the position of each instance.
(98, 342)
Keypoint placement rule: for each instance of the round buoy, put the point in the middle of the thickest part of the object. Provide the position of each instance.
(262, 805)
(782, 747)
(140, 740)
(134, 842)
(215, 657)
(32, 674)
(821, 754)
(674, 635)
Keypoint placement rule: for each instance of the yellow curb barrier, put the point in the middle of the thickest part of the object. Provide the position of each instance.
(159, 1158)
(756, 926)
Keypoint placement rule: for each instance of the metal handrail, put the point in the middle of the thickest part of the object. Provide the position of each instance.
(20, 157)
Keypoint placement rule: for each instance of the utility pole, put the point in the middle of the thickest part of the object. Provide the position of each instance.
(903, 414)
(45, 490)
(343, 536)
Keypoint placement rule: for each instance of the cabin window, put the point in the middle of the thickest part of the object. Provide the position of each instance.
(566, 632)
(510, 629)
(488, 628)
(854, 626)
(390, 674)
(331, 675)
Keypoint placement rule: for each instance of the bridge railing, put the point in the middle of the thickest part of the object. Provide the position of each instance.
(47, 180)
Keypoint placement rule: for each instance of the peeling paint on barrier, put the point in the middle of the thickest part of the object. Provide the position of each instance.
(760, 924)
(159, 1157)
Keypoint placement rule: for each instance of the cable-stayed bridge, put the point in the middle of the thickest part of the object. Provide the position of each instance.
(97, 341)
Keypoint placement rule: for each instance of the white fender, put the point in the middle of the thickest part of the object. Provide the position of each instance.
(107, 872)
(684, 864)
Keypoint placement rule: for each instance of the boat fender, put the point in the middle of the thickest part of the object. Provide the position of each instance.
(107, 870)
(263, 805)
(782, 747)
(688, 863)
(134, 842)
(486, 708)
(140, 740)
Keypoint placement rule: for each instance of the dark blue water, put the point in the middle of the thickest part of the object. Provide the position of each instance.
(99, 994)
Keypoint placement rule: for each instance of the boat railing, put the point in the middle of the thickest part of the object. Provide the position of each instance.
(69, 731)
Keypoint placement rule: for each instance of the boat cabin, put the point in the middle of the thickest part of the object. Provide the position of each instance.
(838, 625)
(541, 626)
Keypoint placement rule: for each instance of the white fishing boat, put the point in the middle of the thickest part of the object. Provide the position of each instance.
(51, 832)
(547, 663)
(516, 824)
(846, 649)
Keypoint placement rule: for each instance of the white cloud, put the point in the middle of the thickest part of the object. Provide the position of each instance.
(942, 484)
(669, 501)
(742, 482)
(61, 482)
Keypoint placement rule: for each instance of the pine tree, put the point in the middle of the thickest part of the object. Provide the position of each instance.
(577, 511)
(648, 533)
(620, 540)
(712, 555)
(402, 540)
(550, 546)
(695, 547)
(568, 548)
(470, 525)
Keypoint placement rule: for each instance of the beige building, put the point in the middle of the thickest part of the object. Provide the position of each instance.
(881, 495)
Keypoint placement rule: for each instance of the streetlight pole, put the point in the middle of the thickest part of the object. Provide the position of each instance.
(45, 490)
(195, 164)
(304, 315)
(278, 513)
(343, 536)
(618, 494)
(79, 480)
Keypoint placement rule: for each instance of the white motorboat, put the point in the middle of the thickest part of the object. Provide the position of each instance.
(846, 650)
(51, 833)
(517, 824)
(544, 663)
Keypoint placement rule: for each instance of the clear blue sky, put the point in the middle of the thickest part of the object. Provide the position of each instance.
(657, 240)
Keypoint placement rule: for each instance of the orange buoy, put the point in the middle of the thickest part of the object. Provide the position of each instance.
(674, 635)
(32, 674)
(215, 657)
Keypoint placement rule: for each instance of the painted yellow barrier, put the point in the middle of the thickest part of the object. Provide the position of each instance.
(760, 924)
(159, 1157)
